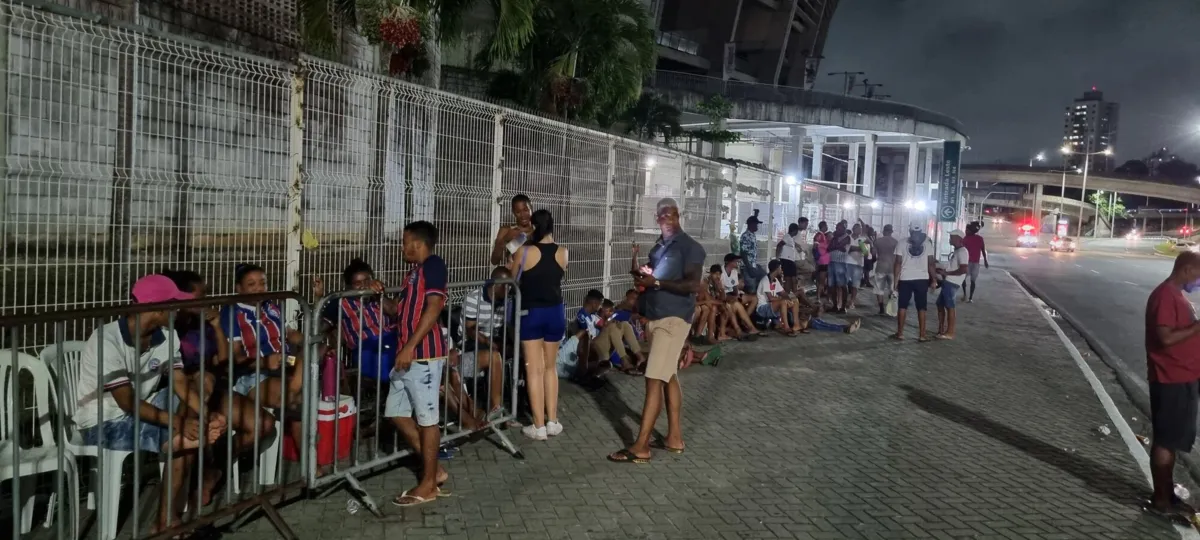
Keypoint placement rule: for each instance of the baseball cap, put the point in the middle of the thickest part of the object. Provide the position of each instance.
(156, 288)
(731, 257)
(753, 219)
(956, 232)
(916, 226)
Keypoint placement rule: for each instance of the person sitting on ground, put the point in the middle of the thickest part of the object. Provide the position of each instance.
(738, 304)
(953, 274)
(727, 324)
(587, 325)
(204, 348)
(773, 302)
(624, 341)
(704, 329)
(120, 369)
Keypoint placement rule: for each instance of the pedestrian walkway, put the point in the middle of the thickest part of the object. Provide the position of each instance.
(820, 436)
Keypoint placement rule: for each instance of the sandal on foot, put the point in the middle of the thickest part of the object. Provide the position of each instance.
(896, 337)
(854, 326)
(661, 445)
(625, 456)
(943, 337)
(923, 339)
(406, 500)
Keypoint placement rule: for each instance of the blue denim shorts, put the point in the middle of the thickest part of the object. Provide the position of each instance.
(244, 384)
(945, 298)
(118, 432)
(544, 323)
(854, 274)
(414, 392)
(837, 274)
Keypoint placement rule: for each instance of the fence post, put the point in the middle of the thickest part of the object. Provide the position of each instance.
(497, 170)
(683, 166)
(733, 173)
(608, 217)
(771, 200)
(295, 209)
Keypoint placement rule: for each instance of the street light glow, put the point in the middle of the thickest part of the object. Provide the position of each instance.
(791, 180)
(1041, 156)
(908, 204)
(848, 205)
(875, 204)
(651, 162)
(920, 206)
(1065, 149)
(1108, 151)
(724, 171)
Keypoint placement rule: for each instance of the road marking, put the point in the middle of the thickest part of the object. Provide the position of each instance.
(1095, 271)
(1132, 283)
(1136, 450)
(1077, 265)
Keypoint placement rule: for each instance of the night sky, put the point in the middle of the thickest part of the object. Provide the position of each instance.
(1007, 68)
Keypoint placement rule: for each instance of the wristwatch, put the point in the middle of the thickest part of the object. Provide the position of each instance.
(657, 284)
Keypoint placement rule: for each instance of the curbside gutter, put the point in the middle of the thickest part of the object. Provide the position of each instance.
(1137, 395)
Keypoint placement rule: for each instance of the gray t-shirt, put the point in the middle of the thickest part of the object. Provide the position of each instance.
(885, 250)
(668, 258)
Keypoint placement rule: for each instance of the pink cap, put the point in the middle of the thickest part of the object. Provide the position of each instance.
(157, 288)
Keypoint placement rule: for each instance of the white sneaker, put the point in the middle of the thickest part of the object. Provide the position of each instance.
(535, 433)
(553, 428)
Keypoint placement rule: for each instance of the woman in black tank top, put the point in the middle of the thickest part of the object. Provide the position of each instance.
(539, 266)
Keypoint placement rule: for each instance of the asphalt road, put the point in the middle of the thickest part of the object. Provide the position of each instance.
(1105, 292)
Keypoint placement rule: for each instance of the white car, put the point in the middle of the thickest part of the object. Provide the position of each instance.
(1027, 241)
(1186, 245)
(1063, 244)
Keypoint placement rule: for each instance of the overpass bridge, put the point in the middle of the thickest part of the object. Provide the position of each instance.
(1043, 176)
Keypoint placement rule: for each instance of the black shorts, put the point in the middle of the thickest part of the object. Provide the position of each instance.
(1173, 414)
(788, 266)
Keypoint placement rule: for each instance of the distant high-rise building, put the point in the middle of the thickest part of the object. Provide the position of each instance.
(1090, 126)
(1156, 159)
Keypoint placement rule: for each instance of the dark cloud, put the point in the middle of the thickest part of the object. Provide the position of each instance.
(1007, 68)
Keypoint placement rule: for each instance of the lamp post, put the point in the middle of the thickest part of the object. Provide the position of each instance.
(1041, 156)
(1087, 156)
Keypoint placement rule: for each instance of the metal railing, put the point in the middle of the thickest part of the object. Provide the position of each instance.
(793, 95)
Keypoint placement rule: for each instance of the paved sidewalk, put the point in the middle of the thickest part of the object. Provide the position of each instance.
(821, 436)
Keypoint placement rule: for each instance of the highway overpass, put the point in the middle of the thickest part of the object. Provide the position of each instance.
(1002, 174)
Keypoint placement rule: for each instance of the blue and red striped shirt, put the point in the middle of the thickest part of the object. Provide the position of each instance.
(258, 328)
(425, 279)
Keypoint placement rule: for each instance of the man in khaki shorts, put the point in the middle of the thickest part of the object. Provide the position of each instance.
(670, 280)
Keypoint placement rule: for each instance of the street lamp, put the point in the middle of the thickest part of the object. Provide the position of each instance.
(1041, 156)
(1087, 156)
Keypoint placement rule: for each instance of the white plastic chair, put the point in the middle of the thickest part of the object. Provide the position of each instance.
(111, 462)
(39, 459)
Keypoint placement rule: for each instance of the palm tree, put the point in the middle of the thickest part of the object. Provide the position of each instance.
(652, 117)
(588, 58)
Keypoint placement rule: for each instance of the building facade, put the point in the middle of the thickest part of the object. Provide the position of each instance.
(1089, 127)
(764, 41)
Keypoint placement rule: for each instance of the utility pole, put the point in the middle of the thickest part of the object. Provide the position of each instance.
(869, 88)
(848, 80)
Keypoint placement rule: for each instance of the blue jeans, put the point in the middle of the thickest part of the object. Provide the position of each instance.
(945, 298)
(837, 274)
(118, 432)
(414, 392)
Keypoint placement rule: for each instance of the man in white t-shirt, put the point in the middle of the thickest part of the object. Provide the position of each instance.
(120, 369)
(775, 303)
(952, 273)
(787, 252)
(915, 270)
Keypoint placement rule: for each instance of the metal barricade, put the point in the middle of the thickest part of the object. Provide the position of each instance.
(360, 327)
(81, 412)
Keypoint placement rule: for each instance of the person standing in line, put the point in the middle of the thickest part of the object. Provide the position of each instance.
(511, 237)
(868, 234)
(885, 271)
(953, 274)
(1173, 371)
(748, 250)
(915, 269)
(670, 278)
(786, 253)
(838, 247)
(975, 250)
(413, 402)
(820, 244)
(806, 265)
(856, 252)
(540, 266)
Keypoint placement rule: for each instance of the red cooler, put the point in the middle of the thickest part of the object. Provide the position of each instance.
(346, 414)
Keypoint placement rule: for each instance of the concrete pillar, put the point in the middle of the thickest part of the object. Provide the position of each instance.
(795, 156)
(1037, 207)
(869, 166)
(910, 178)
(890, 174)
(928, 166)
(818, 149)
(852, 168)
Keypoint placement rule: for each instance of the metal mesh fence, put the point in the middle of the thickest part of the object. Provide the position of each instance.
(126, 153)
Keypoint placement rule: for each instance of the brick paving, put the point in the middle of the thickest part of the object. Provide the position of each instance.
(821, 436)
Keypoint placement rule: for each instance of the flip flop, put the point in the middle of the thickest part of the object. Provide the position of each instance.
(627, 457)
(413, 500)
(896, 337)
(854, 326)
(943, 337)
(660, 445)
(923, 339)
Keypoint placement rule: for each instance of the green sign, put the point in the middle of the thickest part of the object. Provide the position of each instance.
(950, 187)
